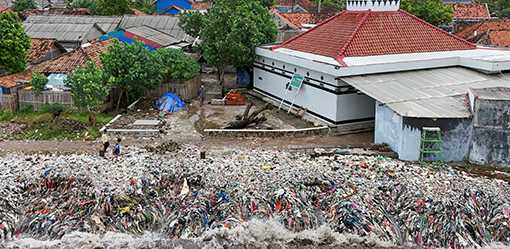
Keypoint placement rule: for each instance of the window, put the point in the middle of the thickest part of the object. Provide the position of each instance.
(307, 73)
(322, 77)
(295, 70)
(260, 78)
(272, 63)
(283, 66)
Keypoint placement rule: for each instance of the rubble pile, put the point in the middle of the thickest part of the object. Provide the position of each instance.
(181, 196)
(168, 146)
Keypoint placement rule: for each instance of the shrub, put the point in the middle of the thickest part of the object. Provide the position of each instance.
(39, 82)
(55, 109)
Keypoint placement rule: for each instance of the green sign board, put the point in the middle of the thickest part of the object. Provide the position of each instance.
(297, 81)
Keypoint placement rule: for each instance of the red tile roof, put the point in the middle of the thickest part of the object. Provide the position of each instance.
(490, 32)
(201, 5)
(4, 8)
(9, 81)
(137, 12)
(367, 33)
(471, 11)
(298, 19)
(40, 48)
(67, 62)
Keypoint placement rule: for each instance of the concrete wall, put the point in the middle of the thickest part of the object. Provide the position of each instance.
(491, 138)
(322, 95)
(388, 127)
(403, 134)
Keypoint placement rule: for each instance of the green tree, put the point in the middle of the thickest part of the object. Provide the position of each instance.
(131, 68)
(337, 5)
(38, 82)
(147, 6)
(177, 65)
(113, 7)
(22, 5)
(88, 89)
(192, 23)
(499, 8)
(14, 44)
(88, 4)
(232, 29)
(267, 3)
(434, 12)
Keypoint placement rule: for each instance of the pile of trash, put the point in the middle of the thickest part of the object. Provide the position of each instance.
(181, 196)
(168, 146)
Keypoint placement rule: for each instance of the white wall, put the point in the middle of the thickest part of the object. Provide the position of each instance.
(320, 93)
(388, 127)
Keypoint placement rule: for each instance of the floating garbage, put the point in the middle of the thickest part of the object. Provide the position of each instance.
(181, 196)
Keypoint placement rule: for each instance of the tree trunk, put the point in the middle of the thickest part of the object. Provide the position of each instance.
(247, 119)
(122, 92)
(92, 119)
(221, 72)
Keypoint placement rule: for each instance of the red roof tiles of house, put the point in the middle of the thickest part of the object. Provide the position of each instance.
(4, 8)
(491, 32)
(368, 33)
(9, 81)
(471, 11)
(298, 19)
(40, 49)
(201, 5)
(67, 62)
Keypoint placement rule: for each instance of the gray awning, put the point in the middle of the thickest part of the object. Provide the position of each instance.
(433, 93)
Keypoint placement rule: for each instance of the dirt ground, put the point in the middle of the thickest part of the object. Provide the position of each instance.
(208, 143)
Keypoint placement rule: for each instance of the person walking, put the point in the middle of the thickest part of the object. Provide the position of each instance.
(117, 147)
(106, 144)
(201, 95)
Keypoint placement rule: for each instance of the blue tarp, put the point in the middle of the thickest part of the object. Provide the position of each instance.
(169, 102)
(120, 35)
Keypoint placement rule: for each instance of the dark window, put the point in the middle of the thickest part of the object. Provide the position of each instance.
(295, 70)
(263, 60)
(260, 78)
(307, 73)
(283, 66)
(272, 63)
(322, 77)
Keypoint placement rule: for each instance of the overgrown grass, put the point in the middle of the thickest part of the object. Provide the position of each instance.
(42, 126)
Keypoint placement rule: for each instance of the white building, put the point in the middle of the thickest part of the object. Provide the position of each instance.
(374, 57)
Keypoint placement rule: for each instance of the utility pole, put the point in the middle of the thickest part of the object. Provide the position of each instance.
(319, 7)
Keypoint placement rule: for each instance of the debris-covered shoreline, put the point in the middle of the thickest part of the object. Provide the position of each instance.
(180, 196)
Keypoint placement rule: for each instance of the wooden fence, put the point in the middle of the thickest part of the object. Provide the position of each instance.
(27, 97)
(7, 102)
(187, 90)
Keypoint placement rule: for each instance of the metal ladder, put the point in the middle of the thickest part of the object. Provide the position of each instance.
(431, 148)
(293, 86)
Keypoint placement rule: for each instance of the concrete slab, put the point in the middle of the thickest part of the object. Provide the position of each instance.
(146, 122)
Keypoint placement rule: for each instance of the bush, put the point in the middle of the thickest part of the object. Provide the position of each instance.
(177, 65)
(39, 82)
(22, 5)
(26, 109)
(55, 109)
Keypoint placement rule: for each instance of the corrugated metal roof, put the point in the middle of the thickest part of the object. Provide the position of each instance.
(160, 38)
(494, 93)
(433, 93)
(107, 24)
(60, 32)
(165, 24)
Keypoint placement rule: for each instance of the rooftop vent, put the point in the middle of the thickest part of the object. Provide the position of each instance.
(373, 5)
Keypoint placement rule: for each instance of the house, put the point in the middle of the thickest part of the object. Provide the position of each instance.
(492, 33)
(57, 68)
(377, 63)
(465, 14)
(43, 50)
(70, 31)
(291, 24)
(173, 7)
(168, 25)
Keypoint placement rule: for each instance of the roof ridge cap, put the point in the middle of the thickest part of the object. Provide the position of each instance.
(316, 26)
(437, 28)
(349, 41)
